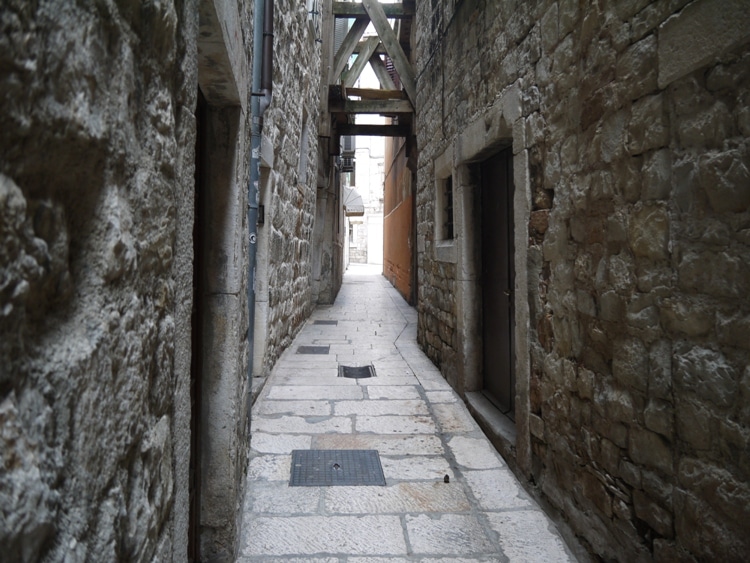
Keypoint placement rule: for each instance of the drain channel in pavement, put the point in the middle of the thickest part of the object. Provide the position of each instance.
(313, 349)
(330, 323)
(356, 372)
(325, 468)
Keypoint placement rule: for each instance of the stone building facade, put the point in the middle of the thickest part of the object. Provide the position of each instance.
(622, 133)
(125, 136)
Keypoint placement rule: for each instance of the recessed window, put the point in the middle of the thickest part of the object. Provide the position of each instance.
(444, 217)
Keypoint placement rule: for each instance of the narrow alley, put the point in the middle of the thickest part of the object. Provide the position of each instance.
(420, 429)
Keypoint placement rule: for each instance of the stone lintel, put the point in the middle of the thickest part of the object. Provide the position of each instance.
(222, 64)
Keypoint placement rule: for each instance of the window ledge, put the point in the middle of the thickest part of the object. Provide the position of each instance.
(445, 251)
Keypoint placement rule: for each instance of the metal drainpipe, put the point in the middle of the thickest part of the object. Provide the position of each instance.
(262, 86)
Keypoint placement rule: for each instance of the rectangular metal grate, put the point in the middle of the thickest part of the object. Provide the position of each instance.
(313, 349)
(356, 372)
(326, 468)
(329, 323)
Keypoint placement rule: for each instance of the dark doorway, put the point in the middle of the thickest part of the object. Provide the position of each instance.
(196, 364)
(498, 281)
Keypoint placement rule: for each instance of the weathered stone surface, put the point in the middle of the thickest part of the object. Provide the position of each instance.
(708, 374)
(402, 497)
(97, 138)
(496, 489)
(450, 533)
(530, 534)
(631, 251)
(650, 449)
(377, 535)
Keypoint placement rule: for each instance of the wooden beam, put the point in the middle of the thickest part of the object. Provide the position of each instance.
(390, 41)
(377, 64)
(371, 94)
(373, 130)
(380, 50)
(347, 47)
(372, 106)
(359, 64)
(357, 10)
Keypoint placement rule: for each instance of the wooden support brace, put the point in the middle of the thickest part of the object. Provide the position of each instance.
(347, 47)
(377, 64)
(392, 46)
(350, 77)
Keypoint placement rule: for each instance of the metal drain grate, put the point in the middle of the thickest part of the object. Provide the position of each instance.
(313, 349)
(356, 372)
(329, 323)
(326, 468)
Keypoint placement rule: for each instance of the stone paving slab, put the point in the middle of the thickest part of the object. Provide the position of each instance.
(452, 534)
(304, 408)
(413, 468)
(317, 535)
(392, 392)
(423, 433)
(380, 408)
(397, 499)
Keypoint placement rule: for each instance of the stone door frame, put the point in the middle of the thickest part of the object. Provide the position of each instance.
(501, 126)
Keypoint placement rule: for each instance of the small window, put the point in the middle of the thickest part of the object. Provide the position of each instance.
(444, 219)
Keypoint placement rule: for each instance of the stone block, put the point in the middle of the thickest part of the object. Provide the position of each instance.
(691, 317)
(637, 67)
(630, 363)
(726, 180)
(693, 424)
(657, 174)
(707, 374)
(650, 449)
(699, 34)
(649, 232)
(659, 417)
(653, 514)
(649, 127)
(706, 128)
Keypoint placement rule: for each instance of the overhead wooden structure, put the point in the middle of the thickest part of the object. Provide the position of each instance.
(390, 48)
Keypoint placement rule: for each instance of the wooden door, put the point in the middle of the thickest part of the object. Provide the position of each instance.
(498, 280)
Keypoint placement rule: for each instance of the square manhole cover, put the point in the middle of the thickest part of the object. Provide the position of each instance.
(313, 350)
(325, 468)
(356, 372)
(328, 323)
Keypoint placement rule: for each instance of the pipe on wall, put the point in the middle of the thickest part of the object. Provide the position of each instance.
(262, 89)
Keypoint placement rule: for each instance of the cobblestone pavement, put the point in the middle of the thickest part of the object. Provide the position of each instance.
(422, 432)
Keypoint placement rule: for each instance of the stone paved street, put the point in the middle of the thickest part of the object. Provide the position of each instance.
(422, 432)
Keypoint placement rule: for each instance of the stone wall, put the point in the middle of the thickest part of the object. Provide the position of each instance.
(97, 137)
(628, 123)
(291, 132)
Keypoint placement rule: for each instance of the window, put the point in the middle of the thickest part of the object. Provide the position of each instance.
(444, 221)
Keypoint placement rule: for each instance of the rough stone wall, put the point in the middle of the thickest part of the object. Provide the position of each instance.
(635, 127)
(290, 213)
(97, 137)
